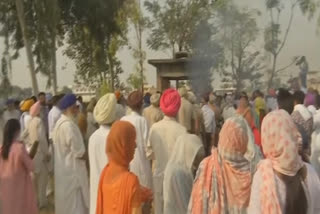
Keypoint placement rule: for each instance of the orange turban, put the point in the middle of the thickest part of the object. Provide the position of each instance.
(170, 102)
(118, 94)
(26, 105)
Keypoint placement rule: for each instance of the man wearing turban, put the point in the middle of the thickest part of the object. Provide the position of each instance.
(104, 113)
(25, 117)
(140, 165)
(162, 138)
(35, 131)
(153, 113)
(71, 175)
(185, 115)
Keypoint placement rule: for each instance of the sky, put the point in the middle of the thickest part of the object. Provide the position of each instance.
(302, 40)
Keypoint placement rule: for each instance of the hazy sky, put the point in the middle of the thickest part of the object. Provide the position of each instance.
(302, 40)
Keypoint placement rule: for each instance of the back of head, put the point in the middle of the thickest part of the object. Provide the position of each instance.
(298, 97)
(280, 145)
(285, 100)
(105, 110)
(170, 102)
(121, 143)
(26, 105)
(234, 137)
(135, 100)
(10, 132)
(155, 99)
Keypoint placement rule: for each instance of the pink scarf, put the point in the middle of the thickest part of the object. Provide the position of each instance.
(280, 146)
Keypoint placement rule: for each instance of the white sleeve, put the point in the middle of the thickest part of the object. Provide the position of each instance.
(74, 140)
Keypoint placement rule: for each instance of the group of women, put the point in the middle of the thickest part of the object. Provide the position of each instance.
(235, 178)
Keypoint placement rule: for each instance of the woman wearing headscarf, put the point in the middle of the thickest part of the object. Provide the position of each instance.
(17, 194)
(245, 111)
(223, 181)
(140, 165)
(283, 184)
(162, 139)
(119, 190)
(180, 172)
(35, 132)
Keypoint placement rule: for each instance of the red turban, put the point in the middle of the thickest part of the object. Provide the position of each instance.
(170, 102)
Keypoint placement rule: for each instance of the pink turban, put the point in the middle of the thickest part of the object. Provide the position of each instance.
(170, 102)
(35, 109)
(310, 99)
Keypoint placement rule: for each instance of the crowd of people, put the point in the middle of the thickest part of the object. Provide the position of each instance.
(170, 152)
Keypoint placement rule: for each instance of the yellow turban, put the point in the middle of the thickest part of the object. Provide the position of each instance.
(105, 110)
(26, 105)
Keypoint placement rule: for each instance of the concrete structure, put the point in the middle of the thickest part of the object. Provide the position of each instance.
(169, 69)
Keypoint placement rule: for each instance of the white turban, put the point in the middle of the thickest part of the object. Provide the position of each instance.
(155, 99)
(105, 110)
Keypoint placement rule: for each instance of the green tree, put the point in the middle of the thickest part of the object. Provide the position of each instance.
(174, 22)
(238, 32)
(135, 80)
(33, 25)
(140, 23)
(92, 38)
(274, 39)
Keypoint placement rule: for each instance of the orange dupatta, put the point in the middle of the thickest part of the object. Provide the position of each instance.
(119, 190)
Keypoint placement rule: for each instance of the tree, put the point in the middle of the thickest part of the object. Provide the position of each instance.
(239, 31)
(135, 80)
(33, 25)
(139, 24)
(27, 43)
(91, 37)
(274, 41)
(173, 23)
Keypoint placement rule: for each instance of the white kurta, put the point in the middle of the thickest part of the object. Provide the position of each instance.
(24, 120)
(140, 165)
(36, 132)
(98, 160)
(71, 176)
(162, 139)
(53, 117)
